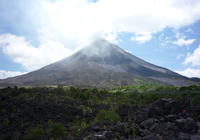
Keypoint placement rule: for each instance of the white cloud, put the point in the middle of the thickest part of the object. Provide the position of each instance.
(183, 42)
(78, 22)
(111, 37)
(82, 20)
(189, 30)
(194, 58)
(142, 38)
(29, 56)
(5, 74)
(179, 56)
(129, 51)
(189, 72)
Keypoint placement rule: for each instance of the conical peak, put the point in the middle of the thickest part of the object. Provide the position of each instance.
(101, 43)
(100, 47)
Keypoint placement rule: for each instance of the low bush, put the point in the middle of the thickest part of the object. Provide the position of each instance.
(36, 133)
(56, 130)
(110, 116)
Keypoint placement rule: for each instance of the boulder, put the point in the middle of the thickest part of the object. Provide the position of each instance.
(183, 136)
(164, 107)
(198, 127)
(186, 125)
(149, 123)
(141, 115)
(195, 137)
(150, 137)
(171, 118)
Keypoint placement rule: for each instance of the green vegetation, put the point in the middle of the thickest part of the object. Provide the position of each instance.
(53, 130)
(110, 116)
(141, 94)
(64, 112)
(56, 130)
(85, 109)
(78, 126)
(37, 132)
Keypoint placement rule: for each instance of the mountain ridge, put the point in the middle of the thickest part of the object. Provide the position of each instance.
(99, 64)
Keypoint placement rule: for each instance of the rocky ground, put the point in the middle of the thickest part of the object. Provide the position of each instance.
(165, 119)
(31, 117)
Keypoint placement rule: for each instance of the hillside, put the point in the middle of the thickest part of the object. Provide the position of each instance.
(99, 64)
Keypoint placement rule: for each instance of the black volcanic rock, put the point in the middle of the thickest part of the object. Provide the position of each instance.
(99, 64)
(28, 114)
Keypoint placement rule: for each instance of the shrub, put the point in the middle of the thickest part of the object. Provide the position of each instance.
(78, 126)
(36, 133)
(53, 130)
(56, 130)
(86, 110)
(107, 115)
(6, 122)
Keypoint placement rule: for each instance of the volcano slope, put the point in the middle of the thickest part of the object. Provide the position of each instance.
(99, 64)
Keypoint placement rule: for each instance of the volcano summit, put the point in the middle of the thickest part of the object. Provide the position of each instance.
(99, 64)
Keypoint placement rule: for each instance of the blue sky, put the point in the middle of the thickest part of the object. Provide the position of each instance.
(35, 33)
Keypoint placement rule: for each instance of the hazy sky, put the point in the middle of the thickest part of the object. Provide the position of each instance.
(34, 33)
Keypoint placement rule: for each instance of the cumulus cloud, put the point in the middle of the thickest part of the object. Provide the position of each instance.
(32, 57)
(142, 38)
(183, 42)
(5, 74)
(194, 58)
(78, 22)
(189, 72)
(83, 20)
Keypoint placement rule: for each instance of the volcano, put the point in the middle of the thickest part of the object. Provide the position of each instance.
(99, 64)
